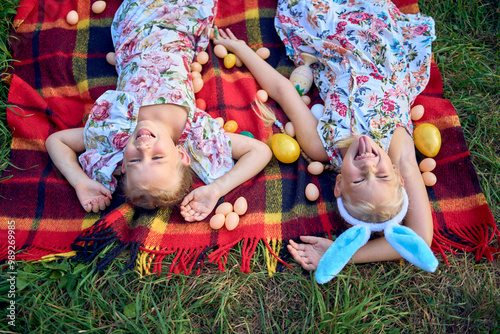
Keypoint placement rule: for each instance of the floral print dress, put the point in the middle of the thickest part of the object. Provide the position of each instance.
(155, 43)
(373, 62)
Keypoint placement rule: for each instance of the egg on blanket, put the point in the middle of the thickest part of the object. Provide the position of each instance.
(98, 7)
(111, 58)
(290, 129)
(232, 220)
(315, 168)
(72, 17)
(217, 221)
(429, 178)
(312, 192)
(263, 53)
(224, 208)
(417, 112)
(240, 206)
(427, 165)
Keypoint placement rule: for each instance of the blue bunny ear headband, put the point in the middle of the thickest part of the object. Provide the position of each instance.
(406, 242)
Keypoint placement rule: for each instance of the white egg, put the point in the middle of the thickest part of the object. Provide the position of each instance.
(317, 110)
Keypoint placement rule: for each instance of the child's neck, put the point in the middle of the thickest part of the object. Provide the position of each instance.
(172, 116)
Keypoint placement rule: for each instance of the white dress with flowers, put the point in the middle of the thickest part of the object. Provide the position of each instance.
(373, 62)
(155, 43)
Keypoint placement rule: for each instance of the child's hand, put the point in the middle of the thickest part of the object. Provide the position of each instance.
(198, 204)
(93, 195)
(228, 40)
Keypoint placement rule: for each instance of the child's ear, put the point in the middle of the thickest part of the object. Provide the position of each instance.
(185, 158)
(399, 176)
(337, 191)
(123, 167)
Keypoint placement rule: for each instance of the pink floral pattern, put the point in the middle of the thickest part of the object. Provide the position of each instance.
(374, 61)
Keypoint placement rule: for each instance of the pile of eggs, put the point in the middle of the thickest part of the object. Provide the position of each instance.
(228, 214)
(427, 140)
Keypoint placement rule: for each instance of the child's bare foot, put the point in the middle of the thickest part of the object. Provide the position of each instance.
(309, 253)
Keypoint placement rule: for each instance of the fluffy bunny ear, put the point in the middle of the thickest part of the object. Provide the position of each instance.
(411, 246)
(340, 252)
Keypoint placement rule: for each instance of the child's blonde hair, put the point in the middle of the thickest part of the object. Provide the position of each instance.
(152, 196)
(366, 211)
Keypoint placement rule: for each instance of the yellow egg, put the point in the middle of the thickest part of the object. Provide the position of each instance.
(217, 221)
(220, 120)
(427, 139)
(263, 53)
(197, 84)
(315, 168)
(224, 208)
(202, 57)
(427, 165)
(417, 112)
(72, 17)
(285, 148)
(110, 58)
(99, 6)
(239, 63)
(231, 126)
(229, 60)
(232, 220)
(429, 179)
(262, 95)
(240, 206)
(290, 129)
(306, 99)
(196, 67)
(220, 51)
(312, 192)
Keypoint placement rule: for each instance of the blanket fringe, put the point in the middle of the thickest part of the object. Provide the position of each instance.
(476, 239)
(273, 247)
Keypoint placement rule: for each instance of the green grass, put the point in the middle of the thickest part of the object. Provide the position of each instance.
(463, 297)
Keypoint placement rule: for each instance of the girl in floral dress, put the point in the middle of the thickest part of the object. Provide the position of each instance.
(373, 62)
(149, 128)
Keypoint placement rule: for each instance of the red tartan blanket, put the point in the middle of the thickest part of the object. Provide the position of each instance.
(62, 70)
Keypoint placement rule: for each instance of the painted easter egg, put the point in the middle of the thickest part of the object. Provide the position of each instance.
(231, 126)
(285, 148)
(427, 139)
(229, 60)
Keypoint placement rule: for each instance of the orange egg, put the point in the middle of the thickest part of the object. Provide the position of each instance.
(290, 129)
(220, 120)
(196, 67)
(197, 84)
(217, 221)
(202, 57)
(427, 165)
(312, 192)
(240, 206)
(224, 208)
(231, 126)
(263, 53)
(110, 58)
(212, 34)
(232, 220)
(262, 95)
(220, 51)
(429, 179)
(98, 7)
(306, 99)
(229, 60)
(72, 17)
(201, 104)
(417, 112)
(315, 168)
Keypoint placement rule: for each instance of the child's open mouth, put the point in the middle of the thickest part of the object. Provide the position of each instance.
(144, 134)
(365, 150)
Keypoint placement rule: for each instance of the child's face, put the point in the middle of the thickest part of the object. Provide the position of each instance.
(152, 158)
(367, 173)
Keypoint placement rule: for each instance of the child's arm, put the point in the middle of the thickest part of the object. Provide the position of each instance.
(281, 90)
(62, 147)
(252, 156)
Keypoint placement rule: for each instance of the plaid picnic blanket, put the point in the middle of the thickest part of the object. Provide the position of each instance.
(61, 70)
